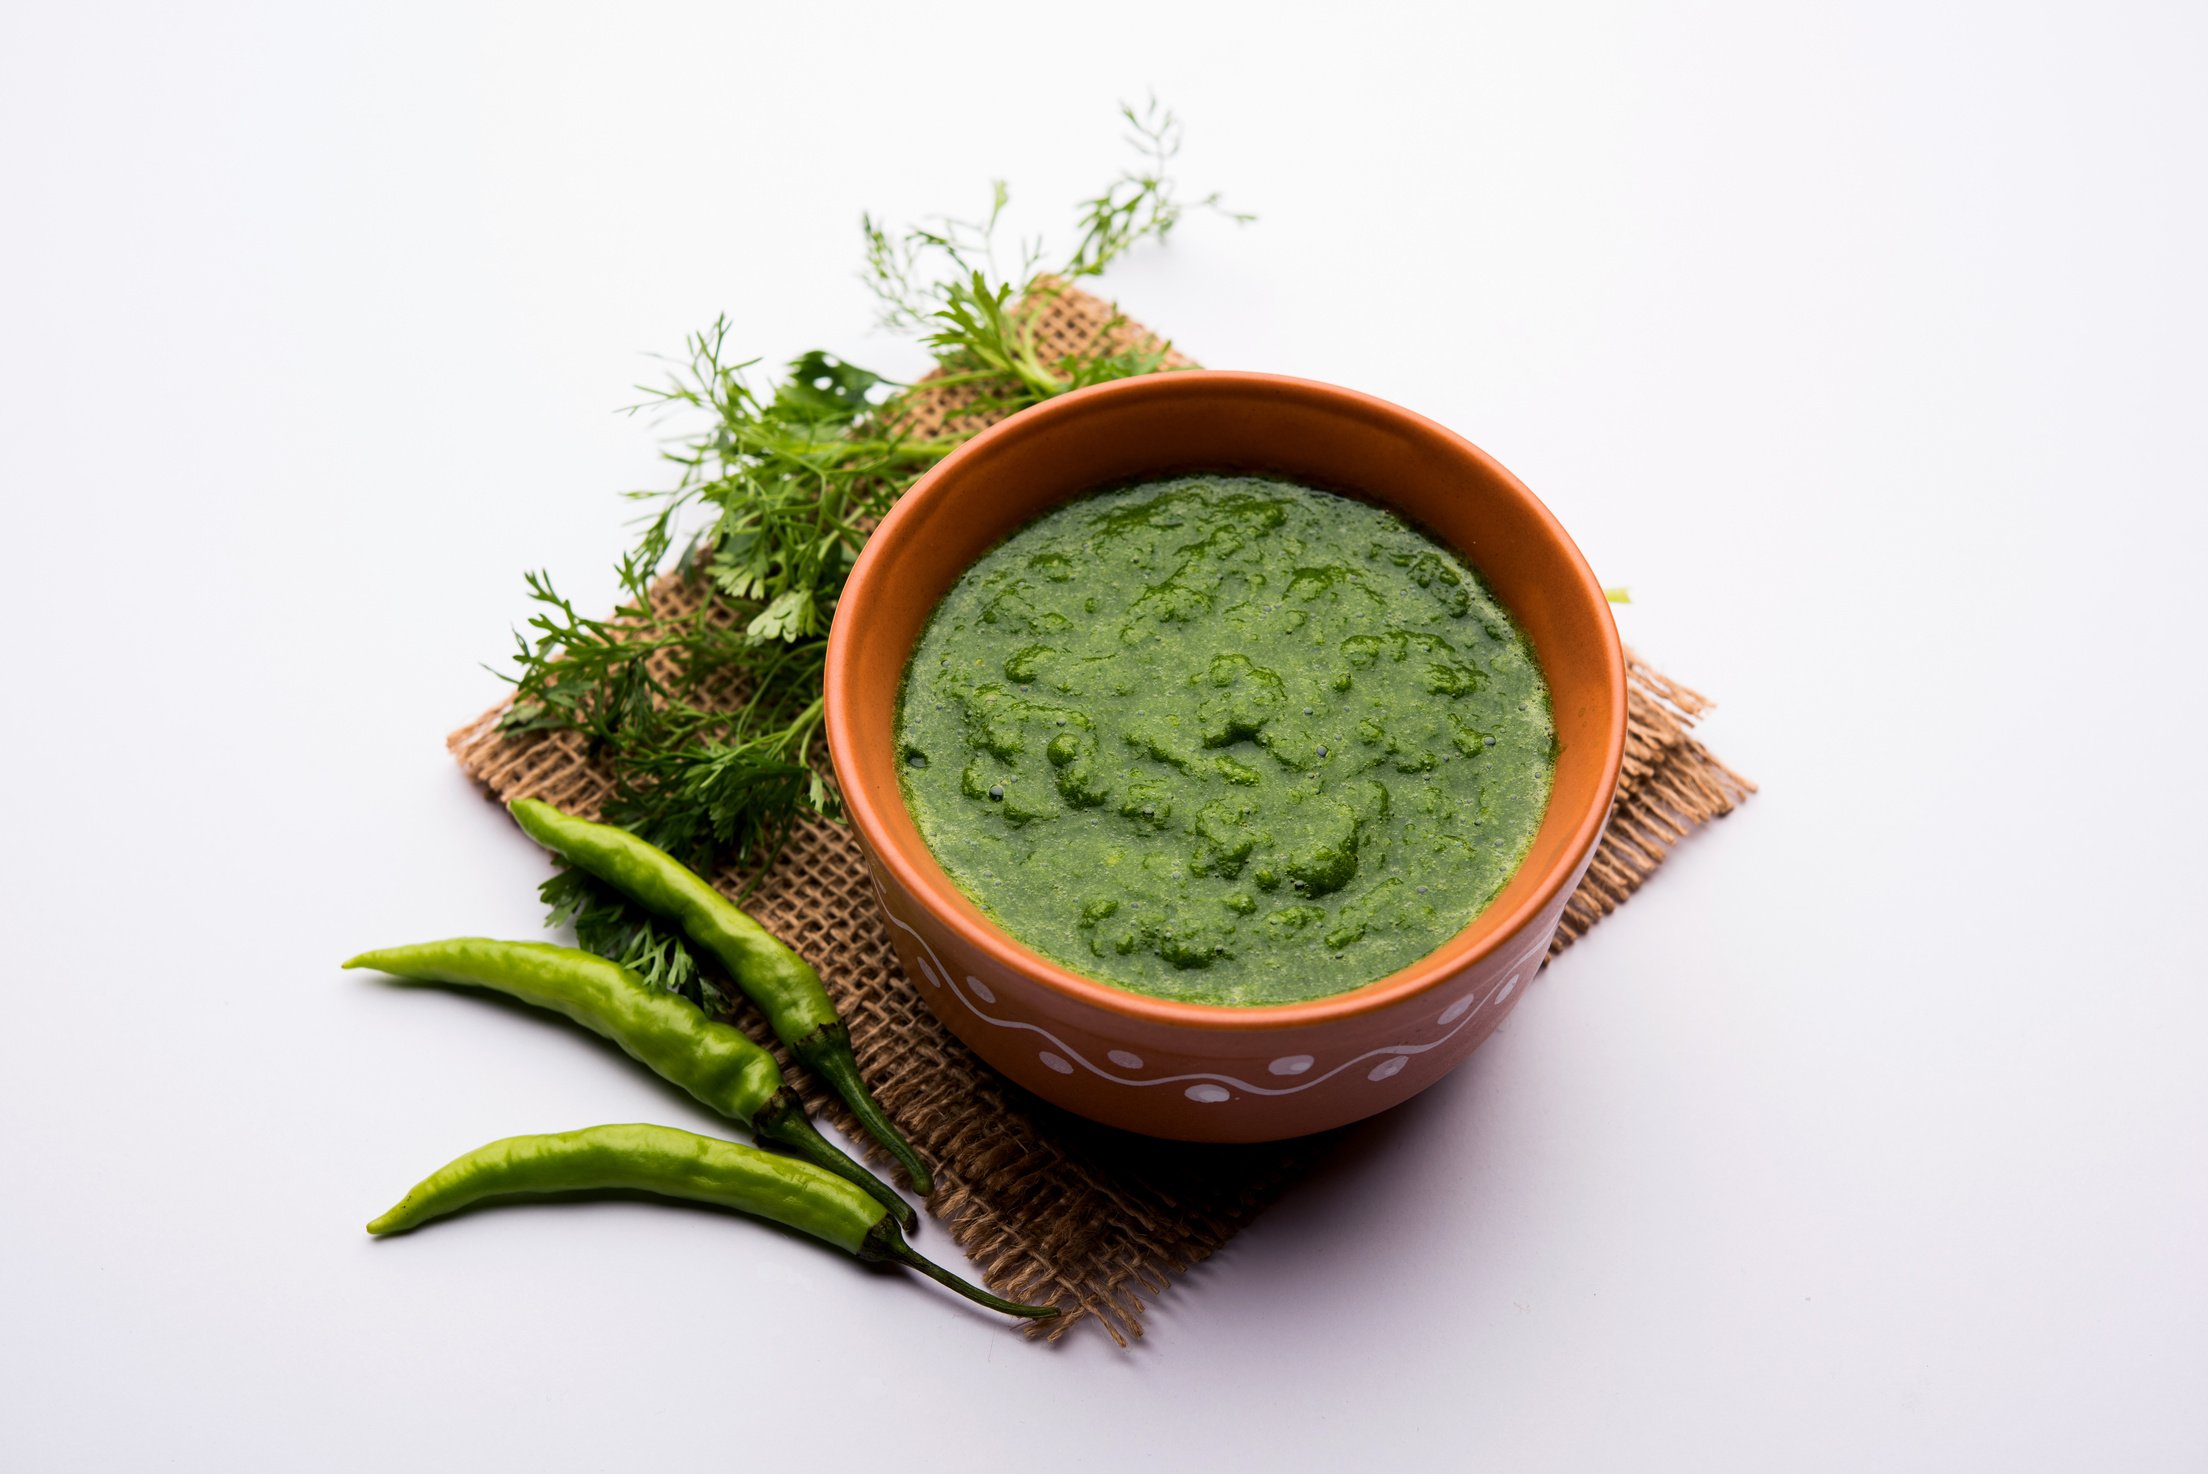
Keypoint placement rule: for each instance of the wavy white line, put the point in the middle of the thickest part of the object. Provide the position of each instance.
(941, 976)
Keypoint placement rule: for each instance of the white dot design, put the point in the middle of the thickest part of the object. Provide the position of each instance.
(1205, 1092)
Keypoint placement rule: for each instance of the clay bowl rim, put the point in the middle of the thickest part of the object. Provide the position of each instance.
(926, 881)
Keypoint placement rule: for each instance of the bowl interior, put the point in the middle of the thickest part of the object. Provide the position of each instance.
(1199, 421)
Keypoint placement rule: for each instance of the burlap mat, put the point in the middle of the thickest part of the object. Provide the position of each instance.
(1050, 1207)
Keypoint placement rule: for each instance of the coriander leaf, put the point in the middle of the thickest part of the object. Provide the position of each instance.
(709, 721)
(822, 389)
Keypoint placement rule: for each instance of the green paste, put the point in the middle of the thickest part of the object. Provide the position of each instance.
(1225, 739)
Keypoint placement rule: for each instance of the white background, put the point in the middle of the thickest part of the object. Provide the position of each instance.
(1865, 342)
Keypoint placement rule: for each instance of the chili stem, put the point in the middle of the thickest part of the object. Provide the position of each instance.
(827, 1053)
(891, 1247)
(790, 1129)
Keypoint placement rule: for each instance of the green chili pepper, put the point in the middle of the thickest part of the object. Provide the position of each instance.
(679, 1164)
(780, 982)
(668, 1035)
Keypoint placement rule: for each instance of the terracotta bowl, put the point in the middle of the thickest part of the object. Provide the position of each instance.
(1204, 1072)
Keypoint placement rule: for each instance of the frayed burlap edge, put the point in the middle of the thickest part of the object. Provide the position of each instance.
(1047, 1206)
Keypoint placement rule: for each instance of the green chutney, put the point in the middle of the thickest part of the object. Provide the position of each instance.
(1225, 739)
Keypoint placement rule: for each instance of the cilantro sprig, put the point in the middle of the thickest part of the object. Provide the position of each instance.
(709, 719)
